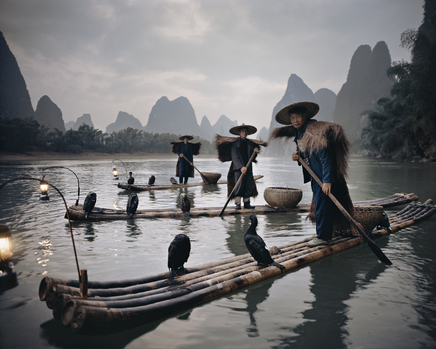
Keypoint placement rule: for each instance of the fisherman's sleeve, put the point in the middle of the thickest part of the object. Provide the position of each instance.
(326, 161)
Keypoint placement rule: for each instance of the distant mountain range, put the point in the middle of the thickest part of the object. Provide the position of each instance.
(366, 83)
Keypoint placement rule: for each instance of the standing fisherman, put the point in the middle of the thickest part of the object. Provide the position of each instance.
(186, 152)
(239, 150)
(324, 147)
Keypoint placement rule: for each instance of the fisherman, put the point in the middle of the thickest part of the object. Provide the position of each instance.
(131, 180)
(325, 148)
(239, 150)
(185, 162)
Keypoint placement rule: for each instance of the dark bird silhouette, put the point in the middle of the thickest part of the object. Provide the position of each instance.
(178, 254)
(173, 181)
(257, 247)
(185, 203)
(151, 180)
(132, 205)
(89, 203)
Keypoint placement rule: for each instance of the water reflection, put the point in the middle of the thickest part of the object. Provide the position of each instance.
(253, 297)
(133, 229)
(325, 322)
(236, 230)
(191, 195)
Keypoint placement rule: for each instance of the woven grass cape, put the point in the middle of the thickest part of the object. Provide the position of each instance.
(319, 135)
(223, 145)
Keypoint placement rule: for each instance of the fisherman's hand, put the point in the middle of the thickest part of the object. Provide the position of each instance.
(327, 188)
(181, 155)
(295, 156)
(243, 170)
(256, 150)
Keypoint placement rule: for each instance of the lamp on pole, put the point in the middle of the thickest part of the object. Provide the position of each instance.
(78, 183)
(45, 183)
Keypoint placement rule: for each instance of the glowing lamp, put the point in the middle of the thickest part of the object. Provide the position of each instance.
(43, 187)
(8, 277)
(115, 172)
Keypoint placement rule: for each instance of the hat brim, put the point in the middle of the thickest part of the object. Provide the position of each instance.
(236, 130)
(186, 136)
(283, 116)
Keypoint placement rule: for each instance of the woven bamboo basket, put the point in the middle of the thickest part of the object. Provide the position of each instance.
(212, 177)
(282, 197)
(368, 216)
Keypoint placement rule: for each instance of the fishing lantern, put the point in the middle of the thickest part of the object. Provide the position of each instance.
(43, 187)
(8, 277)
(115, 173)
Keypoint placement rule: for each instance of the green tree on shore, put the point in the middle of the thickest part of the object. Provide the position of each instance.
(405, 126)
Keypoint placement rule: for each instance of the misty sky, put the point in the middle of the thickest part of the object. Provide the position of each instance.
(231, 57)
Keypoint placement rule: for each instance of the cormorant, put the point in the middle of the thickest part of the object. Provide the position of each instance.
(173, 181)
(132, 204)
(178, 254)
(151, 180)
(185, 203)
(89, 203)
(256, 246)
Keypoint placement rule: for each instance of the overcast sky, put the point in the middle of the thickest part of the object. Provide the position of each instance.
(231, 57)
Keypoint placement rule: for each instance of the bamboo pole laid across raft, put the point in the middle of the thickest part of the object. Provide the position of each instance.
(164, 295)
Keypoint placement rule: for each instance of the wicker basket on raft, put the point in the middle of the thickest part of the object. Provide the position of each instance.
(211, 177)
(282, 197)
(368, 216)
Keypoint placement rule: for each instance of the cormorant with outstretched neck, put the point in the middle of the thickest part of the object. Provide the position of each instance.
(178, 254)
(257, 247)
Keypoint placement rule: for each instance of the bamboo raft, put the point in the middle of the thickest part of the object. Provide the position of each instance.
(146, 187)
(98, 214)
(125, 303)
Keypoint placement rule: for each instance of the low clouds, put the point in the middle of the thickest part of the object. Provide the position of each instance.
(229, 57)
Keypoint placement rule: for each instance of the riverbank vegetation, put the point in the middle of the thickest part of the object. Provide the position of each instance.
(404, 126)
(24, 135)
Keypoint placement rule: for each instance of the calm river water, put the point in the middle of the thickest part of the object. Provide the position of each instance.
(348, 300)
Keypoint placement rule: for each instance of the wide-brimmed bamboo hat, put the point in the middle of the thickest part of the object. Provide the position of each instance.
(283, 116)
(187, 136)
(236, 130)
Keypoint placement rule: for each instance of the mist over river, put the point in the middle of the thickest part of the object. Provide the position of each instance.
(348, 300)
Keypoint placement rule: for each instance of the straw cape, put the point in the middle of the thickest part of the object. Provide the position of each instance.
(319, 135)
(223, 145)
(283, 115)
(236, 130)
(195, 151)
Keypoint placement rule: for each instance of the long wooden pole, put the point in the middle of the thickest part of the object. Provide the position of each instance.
(202, 175)
(237, 183)
(370, 243)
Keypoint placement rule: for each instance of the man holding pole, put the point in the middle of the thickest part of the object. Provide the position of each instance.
(186, 151)
(242, 152)
(324, 147)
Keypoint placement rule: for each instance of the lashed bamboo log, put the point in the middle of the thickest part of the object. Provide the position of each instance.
(236, 272)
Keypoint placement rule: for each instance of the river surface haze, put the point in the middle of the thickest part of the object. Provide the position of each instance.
(348, 300)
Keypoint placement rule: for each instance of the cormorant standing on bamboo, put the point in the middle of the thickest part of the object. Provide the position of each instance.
(151, 180)
(239, 150)
(257, 247)
(178, 254)
(185, 203)
(185, 162)
(173, 181)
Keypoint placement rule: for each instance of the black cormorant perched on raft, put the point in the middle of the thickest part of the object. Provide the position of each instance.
(178, 254)
(257, 247)
(173, 181)
(185, 203)
(151, 180)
